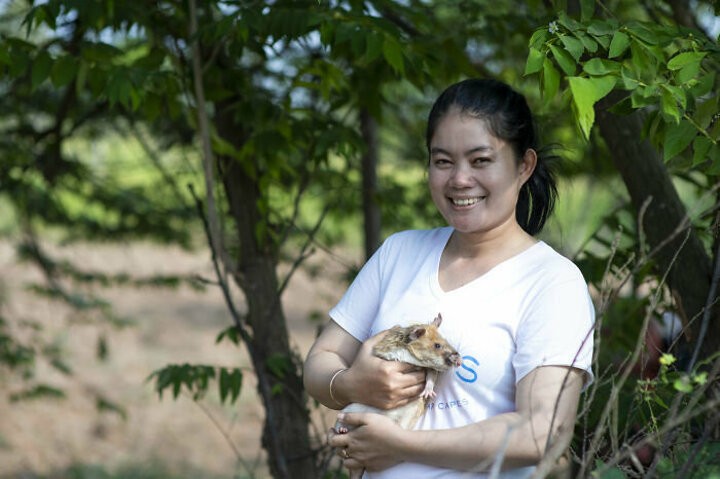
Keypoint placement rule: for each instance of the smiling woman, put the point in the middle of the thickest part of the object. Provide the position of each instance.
(518, 313)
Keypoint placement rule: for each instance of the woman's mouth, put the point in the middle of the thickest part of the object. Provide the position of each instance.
(466, 201)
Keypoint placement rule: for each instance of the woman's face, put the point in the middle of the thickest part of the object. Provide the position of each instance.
(474, 177)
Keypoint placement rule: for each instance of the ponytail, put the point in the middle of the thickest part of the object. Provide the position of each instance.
(536, 201)
(509, 118)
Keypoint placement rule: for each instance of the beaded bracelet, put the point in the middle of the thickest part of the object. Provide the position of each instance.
(330, 387)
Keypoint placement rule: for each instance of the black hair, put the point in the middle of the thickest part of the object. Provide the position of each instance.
(509, 118)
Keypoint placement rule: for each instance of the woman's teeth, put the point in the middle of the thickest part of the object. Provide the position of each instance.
(465, 201)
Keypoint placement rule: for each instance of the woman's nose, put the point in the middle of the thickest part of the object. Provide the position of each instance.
(461, 175)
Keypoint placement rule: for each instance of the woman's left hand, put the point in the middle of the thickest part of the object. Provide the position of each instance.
(373, 443)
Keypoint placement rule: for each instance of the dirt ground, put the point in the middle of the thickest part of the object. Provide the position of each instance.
(170, 326)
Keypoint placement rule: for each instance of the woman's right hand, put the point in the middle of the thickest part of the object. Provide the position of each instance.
(380, 383)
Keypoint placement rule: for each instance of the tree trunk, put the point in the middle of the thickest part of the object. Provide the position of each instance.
(645, 176)
(371, 209)
(286, 428)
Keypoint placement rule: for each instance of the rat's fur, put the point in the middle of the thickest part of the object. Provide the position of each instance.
(418, 344)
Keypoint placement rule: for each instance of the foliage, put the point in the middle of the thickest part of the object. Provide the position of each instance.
(669, 70)
(281, 86)
(196, 378)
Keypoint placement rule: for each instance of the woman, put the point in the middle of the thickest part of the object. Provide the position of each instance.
(518, 313)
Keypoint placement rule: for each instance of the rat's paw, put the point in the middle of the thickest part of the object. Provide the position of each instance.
(428, 394)
(341, 429)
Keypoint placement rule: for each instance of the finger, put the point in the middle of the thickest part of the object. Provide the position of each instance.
(351, 419)
(352, 463)
(375, 339)
(407, 368)
(338, 440)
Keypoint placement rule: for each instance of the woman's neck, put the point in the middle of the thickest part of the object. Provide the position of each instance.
(503, 242)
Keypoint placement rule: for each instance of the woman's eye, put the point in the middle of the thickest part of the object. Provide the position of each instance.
(480, 161)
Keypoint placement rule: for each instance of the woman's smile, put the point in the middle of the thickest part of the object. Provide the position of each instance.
(474, 177)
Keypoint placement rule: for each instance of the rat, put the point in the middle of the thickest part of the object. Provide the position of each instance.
(418, 344)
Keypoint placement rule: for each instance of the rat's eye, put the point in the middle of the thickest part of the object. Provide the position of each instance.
(438, 346)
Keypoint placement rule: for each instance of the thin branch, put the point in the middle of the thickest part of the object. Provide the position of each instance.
(263, 383)
(709, 303)
(207, 154)
(303, 254)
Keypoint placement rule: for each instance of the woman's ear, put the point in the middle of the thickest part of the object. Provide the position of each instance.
(527, 164)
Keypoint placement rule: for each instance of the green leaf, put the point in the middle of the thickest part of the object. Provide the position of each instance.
(373, 46)
(687, 73)
(587, 9)
(628, 80)
(573, 46)
(677, 93)
(683, 384)
(685, 58)
(392, 51)
(619, 44)
(583, 96)
(585, 92)
(550, 81)
(588, 43)
(644, 33)
(279, 365)
(534, 61)
(669, 106)
(705, 111)
(599, 28)
(678, 138)
(41, 391)
(701, 146)
(40, 69)
(4, 54)
(704, 86)
(230, 384)
(64, 71)
(714, 157)
(568, 22)
(538, 38)
(599, 66)
(564, 59)
(603, 85)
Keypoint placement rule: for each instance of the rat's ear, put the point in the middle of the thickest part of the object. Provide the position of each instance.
(437, 321)
(416, 333)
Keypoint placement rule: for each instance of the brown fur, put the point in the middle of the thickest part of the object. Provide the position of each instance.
(418, 344)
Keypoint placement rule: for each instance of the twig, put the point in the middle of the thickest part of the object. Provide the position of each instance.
(303, 254)
(226, 436)
(263, 384)
(207, 153)
(709, 303)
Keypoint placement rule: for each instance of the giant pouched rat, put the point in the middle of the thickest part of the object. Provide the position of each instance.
(417, 344)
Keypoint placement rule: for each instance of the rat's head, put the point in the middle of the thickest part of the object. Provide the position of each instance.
(427, 345)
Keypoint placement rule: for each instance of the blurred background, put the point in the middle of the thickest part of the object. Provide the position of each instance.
(188, 186)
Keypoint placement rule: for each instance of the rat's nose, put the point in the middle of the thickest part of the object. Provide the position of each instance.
(454, 360)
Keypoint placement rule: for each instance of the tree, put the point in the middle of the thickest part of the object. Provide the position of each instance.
(264, 95)
(269, 96)
(667, 73)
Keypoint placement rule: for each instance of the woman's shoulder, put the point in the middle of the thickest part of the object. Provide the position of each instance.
(418, 238)
(554, 264)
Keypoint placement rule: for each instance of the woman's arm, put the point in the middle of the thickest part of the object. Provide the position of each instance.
(368, 379)
(546, 399)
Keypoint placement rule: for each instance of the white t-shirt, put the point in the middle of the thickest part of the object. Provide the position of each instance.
(528, 311)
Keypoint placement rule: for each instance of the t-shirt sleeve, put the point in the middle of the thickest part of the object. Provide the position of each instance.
(557, 329)
(357, 309)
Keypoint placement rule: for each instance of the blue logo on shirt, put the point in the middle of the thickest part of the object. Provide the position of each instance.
(470, 376)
